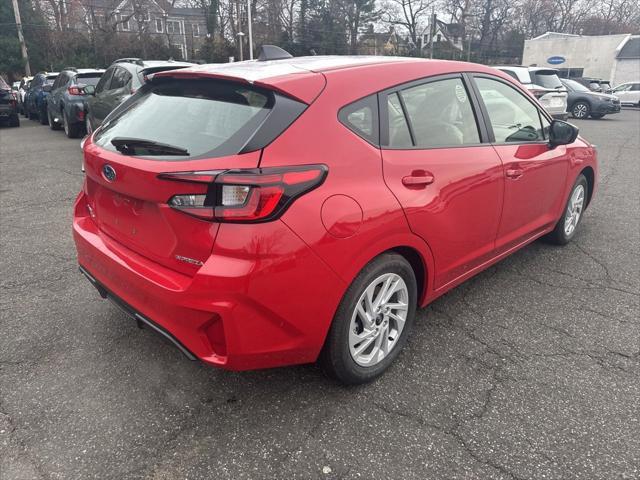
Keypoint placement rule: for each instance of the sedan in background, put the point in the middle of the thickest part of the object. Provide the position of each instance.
(583, 103)
(67, 102)
(544, 84)
(8, 105)
(121, 80)
(36, 98)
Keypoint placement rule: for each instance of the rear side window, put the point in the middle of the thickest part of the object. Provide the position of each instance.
(361, 117)
(399, 135)
(120, 78)
(205, 118)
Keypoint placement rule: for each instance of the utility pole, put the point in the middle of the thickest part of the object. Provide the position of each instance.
(250, 30)
(23, 46)
(432, 31)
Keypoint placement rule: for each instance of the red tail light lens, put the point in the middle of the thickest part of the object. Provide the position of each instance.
(245, 196)
(75, 90)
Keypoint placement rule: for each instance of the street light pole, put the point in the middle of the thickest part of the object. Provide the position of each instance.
(250, 29)
(23, 45)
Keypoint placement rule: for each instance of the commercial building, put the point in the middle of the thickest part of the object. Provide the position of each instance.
(609, 57)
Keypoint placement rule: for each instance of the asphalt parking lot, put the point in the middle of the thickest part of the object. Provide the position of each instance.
(530, 370)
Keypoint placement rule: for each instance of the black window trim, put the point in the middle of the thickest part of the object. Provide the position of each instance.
(473, 100)
(485, 113)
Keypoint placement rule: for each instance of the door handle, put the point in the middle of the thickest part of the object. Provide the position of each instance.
(514, 173)
(418, 179)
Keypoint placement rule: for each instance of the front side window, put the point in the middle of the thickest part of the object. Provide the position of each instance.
(513, 117)
(440, 114)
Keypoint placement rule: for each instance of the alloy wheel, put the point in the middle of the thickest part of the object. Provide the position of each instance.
(574, 210)
(378, 319)
(580, 110)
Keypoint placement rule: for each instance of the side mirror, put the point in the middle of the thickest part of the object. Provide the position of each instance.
(46, 88)
(562, 133)
(89, 89)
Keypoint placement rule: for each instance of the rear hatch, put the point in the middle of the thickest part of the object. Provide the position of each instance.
(136, 162)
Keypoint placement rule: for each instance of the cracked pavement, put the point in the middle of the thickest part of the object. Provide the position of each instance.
(530, 370)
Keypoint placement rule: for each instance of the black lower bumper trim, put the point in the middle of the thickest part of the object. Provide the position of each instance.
(140, 319)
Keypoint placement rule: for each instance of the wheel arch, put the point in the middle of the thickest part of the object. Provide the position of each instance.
(418, 266)
(589, 174)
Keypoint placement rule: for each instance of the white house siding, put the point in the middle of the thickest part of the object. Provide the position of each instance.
(595, 54)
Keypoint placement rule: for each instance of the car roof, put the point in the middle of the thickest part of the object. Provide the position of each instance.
(294, 76)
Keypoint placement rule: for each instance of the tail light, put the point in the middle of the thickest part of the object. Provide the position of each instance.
(244, 196)
(75, 90)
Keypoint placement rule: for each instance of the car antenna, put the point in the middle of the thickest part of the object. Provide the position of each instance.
(272, 52)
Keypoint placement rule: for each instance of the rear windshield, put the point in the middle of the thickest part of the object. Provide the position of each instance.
(546, 79)
(88, 78)
(205, 118)
(50, 79)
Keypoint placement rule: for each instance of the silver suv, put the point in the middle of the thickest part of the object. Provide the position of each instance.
(545, 86)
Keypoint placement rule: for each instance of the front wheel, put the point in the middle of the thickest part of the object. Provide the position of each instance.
(580, 110)
(566, 227)
(373, 321)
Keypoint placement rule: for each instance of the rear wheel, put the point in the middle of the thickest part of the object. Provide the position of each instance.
(52, 123)
(373, 321)
(72, 130)
(597, 116)
(580, 110)
(566, 227)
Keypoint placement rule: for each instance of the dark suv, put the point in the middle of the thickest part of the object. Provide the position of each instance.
(8, 105)
(36, 98)
(121, 80)
(67, 100)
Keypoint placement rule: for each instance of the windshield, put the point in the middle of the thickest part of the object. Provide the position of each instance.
(201, 117)
(546, 79)
(573, 85)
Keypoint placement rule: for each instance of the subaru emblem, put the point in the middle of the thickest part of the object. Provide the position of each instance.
(108, 172)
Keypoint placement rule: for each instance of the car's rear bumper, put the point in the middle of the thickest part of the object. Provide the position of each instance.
(265, 300)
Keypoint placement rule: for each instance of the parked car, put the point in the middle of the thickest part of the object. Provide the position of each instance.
(545, 84)
(583, 103)
(67, 102)
(260, 214)
(592, 84)
(8, 105)
(628, 93)
(121, 80)
(36, 97)
(25, 83)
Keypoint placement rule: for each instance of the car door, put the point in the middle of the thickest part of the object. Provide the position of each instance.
(96, 103)
(119, 89)
(446, 177)
(534, 174)
(55, 96)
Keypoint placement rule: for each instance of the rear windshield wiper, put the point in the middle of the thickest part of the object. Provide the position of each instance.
(129, 146)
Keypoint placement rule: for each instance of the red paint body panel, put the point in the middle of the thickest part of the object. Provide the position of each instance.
(264, 294)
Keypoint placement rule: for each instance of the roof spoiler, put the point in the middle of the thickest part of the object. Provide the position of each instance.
(272, 52)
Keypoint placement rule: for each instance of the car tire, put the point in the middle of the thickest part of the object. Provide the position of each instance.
(72, 130)
(597, 116)
(14, 120)
(42, 116)
(580, 110)
(576, 204)
(339, 357)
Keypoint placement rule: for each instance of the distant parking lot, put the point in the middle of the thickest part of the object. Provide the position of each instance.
(530, 370)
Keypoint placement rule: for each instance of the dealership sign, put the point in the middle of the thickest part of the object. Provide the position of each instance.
(556, 60)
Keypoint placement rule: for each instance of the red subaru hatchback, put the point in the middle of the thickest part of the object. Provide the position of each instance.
(277, 212)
